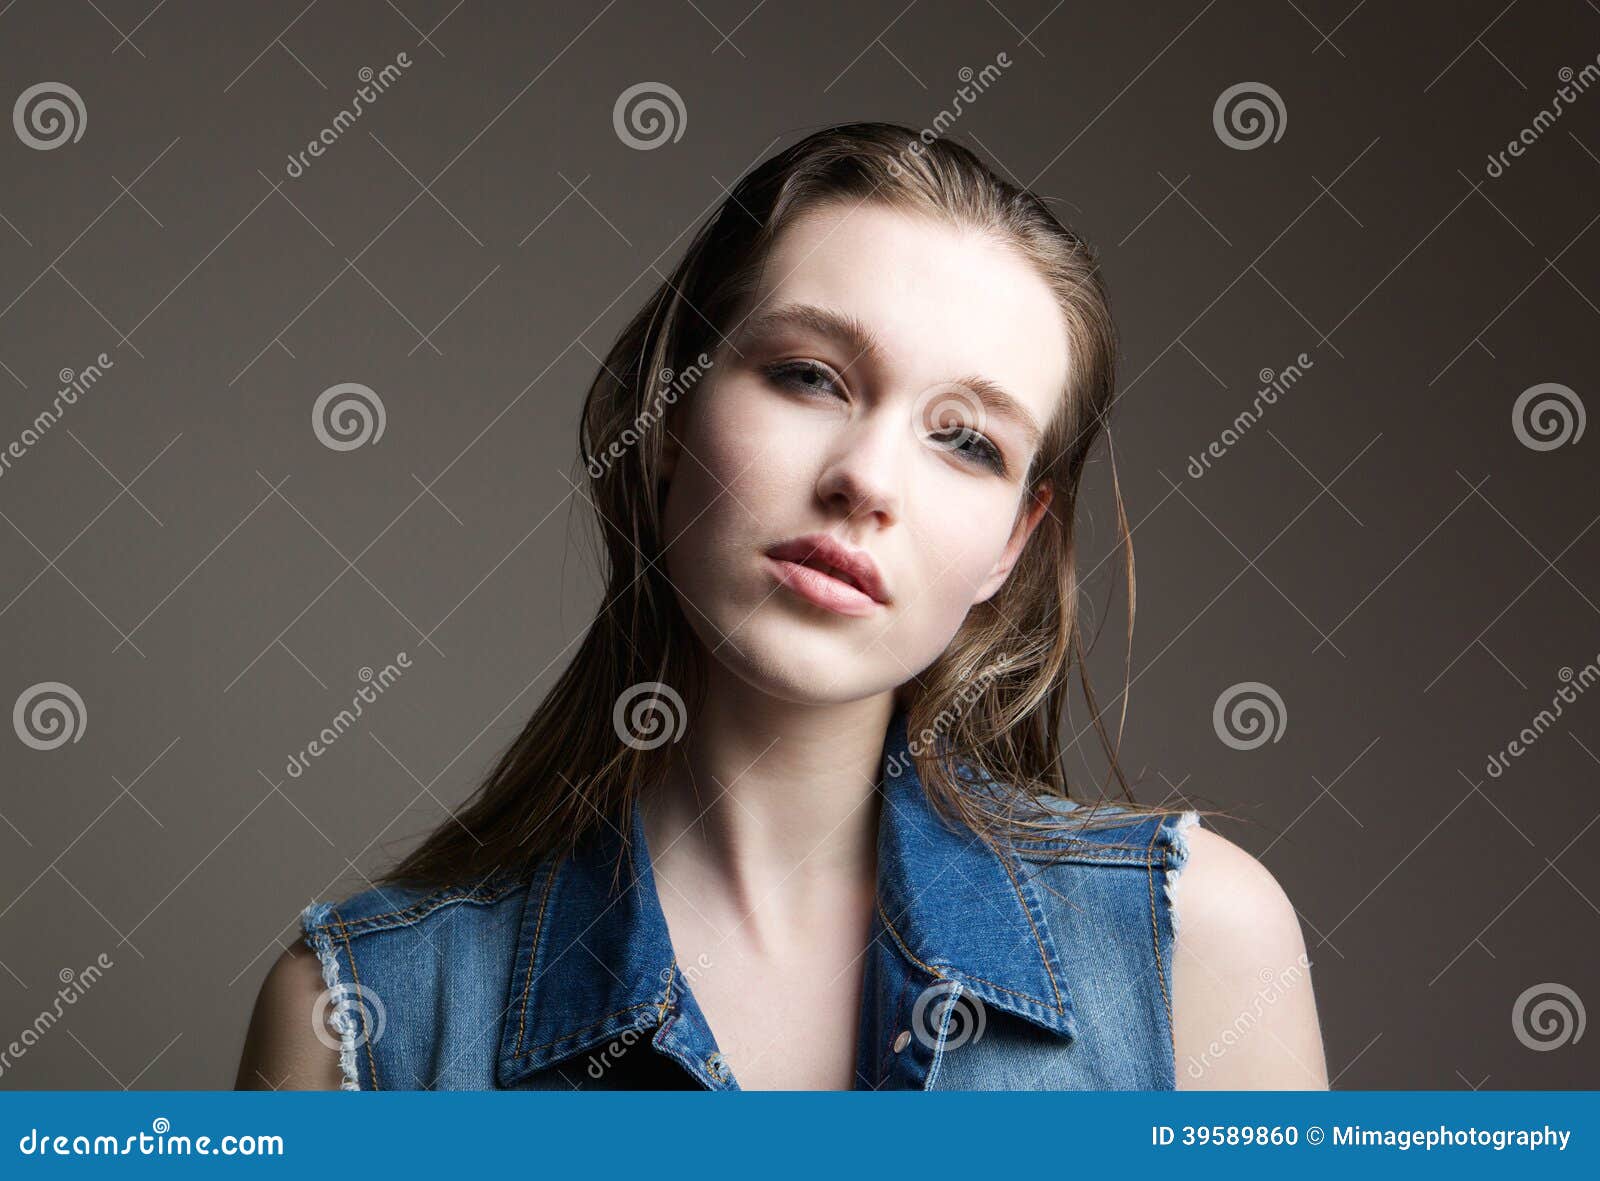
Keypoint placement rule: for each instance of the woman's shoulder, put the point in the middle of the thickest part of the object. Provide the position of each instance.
(1244, 1011)
(363, 958)
(1225, 937)
(1222, 900)
(1226, 889)
(281, 1048)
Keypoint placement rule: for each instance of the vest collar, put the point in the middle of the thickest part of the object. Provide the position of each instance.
(958, 910)
(594, 964)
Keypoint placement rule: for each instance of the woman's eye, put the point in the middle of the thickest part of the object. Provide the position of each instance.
(972, 446)
(804, 376)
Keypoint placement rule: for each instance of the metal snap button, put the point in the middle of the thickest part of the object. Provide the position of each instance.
(902, 1041)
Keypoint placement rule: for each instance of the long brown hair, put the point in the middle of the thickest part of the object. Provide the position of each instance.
(993, 701)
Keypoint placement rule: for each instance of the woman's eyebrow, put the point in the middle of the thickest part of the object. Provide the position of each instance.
(995, 399)
(839, 327)
(856, 338)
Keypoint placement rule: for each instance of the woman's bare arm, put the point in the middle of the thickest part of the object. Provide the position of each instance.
(282, 1051)
(1244, 1015)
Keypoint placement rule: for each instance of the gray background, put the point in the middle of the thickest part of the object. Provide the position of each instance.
(1381, 548)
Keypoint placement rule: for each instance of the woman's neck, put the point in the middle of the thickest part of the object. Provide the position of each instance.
(769, 817)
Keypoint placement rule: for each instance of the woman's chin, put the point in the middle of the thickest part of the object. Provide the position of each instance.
(805, 663)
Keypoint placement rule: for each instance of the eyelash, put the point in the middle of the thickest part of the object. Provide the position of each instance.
(788, 374)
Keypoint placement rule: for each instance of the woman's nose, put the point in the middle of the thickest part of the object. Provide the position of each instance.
(864, 471)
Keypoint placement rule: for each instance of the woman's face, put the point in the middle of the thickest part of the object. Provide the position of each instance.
(909, 449)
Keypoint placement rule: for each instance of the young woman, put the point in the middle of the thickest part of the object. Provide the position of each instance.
(796, 815)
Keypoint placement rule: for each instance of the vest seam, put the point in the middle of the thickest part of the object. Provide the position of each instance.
(583, 1028)
(1084, 857)
(423, 907)
(666, 1001)
(937, 974)
(361, 1006)
(1155, 942)
(1044, 957)
(538, 936)
(1080, 840)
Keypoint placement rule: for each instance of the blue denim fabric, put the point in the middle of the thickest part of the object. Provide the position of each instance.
(981, 974)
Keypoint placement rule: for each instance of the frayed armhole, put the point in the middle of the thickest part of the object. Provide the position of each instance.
(1177, 855)
(343, 1018)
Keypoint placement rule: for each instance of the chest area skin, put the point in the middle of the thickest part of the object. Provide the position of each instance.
(782, 996)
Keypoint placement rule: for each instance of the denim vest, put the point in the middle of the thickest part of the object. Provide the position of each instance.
(981, 973)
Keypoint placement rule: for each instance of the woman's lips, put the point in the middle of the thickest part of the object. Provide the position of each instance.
(824, 590)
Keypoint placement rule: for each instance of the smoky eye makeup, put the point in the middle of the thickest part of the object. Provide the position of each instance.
(814, 379)
(805, 376)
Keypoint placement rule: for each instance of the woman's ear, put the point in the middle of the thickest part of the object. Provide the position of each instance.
(1026, 522)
